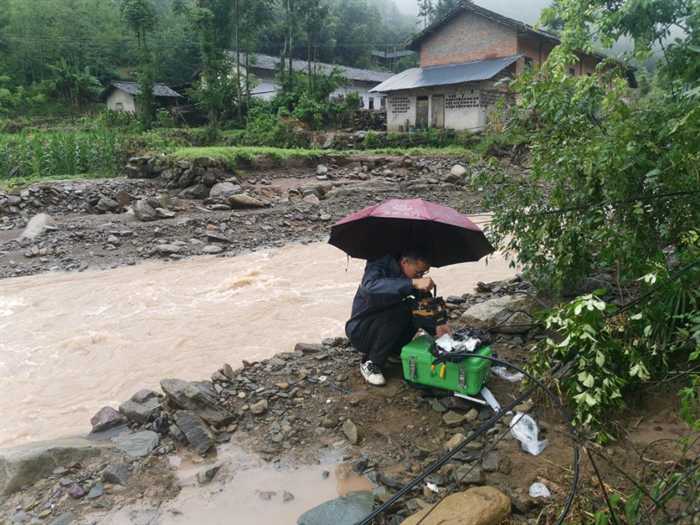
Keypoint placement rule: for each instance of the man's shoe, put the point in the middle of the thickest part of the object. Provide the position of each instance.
(372, 374)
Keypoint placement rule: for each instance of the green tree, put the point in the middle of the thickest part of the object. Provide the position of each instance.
(216, 92)
(140, 17)
(426, 11)
(613, 193)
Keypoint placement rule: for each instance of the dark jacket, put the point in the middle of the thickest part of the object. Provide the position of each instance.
(383, 285)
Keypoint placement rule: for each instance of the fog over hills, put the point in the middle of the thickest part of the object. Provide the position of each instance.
(523, 10)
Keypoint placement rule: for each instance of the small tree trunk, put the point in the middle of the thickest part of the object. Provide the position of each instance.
(238, 61)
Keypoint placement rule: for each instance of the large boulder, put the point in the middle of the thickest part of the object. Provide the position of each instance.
(144, 211)
(510, 314)
(199, 397)
(194, 430)
(244, 201)
(476, 506)
(25, 465)
(143, 406)
(458, 170)
(347, 510)
(106, 418)
(224, 190)
(36, 226)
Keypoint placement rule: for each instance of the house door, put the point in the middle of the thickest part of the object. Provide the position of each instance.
(438, 120)
(422, 112)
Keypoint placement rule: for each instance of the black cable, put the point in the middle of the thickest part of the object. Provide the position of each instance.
(480, 431)
(483, 454)
(602, 488)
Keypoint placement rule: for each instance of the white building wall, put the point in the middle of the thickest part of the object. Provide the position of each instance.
(401, 111)
(463, 110)
(120, 100)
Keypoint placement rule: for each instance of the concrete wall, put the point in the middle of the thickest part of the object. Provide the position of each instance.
(466, 38)
(463, 108)
(120, 100)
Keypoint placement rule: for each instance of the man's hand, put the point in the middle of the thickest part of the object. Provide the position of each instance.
(424, 284)
(441, 330)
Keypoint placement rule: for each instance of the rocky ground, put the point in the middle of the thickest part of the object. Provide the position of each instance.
(205, 210)
(301, 404)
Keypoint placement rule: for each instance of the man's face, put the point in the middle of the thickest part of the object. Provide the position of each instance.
(414, 269)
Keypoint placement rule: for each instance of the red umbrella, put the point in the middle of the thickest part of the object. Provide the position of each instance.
(443, 234)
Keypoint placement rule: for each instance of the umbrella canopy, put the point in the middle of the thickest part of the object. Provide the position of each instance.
(443, 234)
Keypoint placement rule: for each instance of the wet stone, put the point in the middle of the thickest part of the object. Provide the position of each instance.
(454, 441)
(106, 418)
(468, 475)
(116, 474)
(142, 409)
(490, 461)
(195, 430)
(64, 519)
(259, 408)
(20, 517)
(350, 431)
(453, 419)
(437, 406)
(346, 510)
(76, 491)
(207, 475)
(139, 444)
(199, 397)
(96, 491)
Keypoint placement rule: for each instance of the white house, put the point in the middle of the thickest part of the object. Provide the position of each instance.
(360, 81)
(464, 56)
(121, 95)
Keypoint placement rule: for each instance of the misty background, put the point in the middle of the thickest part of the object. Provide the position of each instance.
(524, 10)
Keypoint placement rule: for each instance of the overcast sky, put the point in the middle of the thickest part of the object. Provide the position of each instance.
(523, 10)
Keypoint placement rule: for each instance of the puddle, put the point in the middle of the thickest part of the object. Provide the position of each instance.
(245, 491)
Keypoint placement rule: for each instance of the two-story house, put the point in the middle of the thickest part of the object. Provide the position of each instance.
(463, 58)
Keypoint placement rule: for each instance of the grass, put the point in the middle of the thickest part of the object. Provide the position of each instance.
(236, 155)
(14, 184)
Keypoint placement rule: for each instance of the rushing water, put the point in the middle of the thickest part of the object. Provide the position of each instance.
(72, 343)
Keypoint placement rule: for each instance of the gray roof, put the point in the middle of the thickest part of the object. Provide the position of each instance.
(467, 5)
(159, 90)
(393, 54)
(446, 75)
(267, 62)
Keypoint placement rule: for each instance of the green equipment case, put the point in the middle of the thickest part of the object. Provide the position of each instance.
(466, 377)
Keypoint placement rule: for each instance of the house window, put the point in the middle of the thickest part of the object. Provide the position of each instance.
(119, 106)
(371, 102)
(528, 63)
(572, 71)
(383, 102)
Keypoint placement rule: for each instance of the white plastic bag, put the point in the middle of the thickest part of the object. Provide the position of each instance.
(539, 490)
(524, 429)
(502, 372)
(490, 400)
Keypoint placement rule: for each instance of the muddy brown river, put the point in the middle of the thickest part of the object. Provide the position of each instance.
(71, 343)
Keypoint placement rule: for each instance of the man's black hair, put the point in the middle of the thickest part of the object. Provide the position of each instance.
(415, 254)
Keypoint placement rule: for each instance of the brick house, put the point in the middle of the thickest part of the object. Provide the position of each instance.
(463, 56)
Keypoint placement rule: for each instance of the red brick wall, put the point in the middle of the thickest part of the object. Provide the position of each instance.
(466, 38)
(538, 49)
